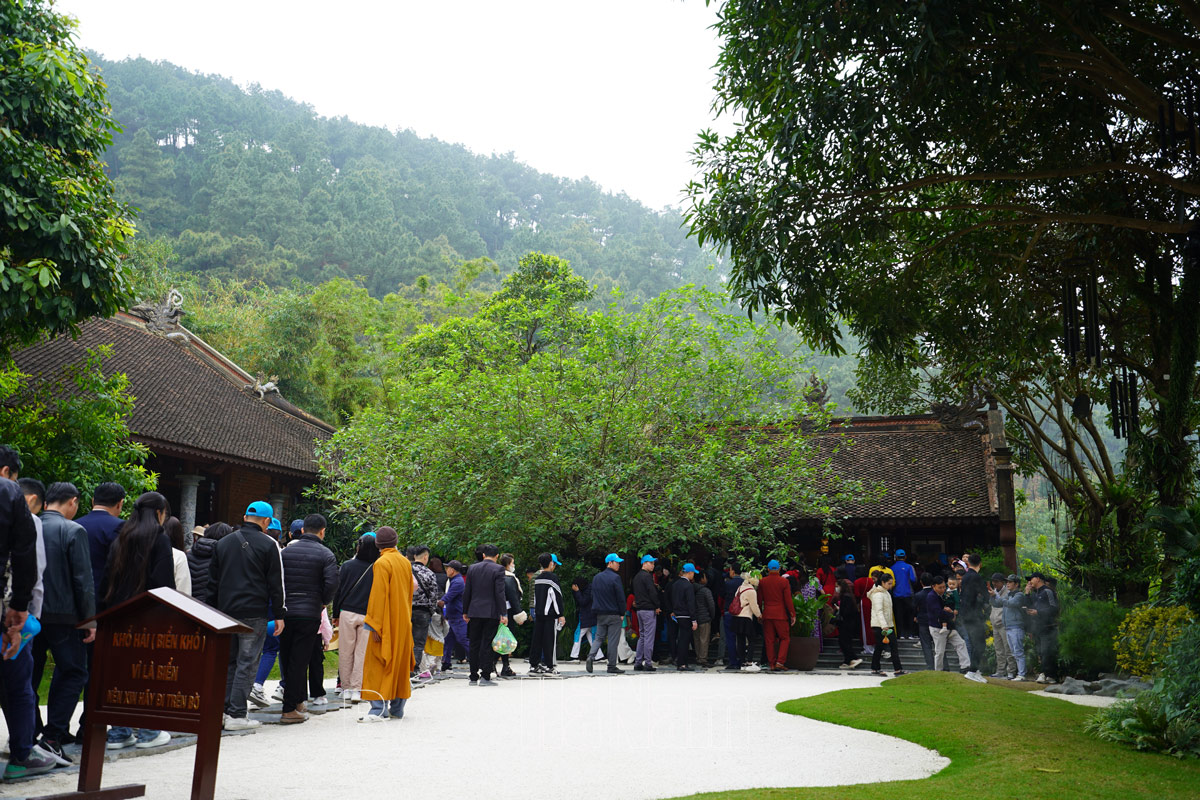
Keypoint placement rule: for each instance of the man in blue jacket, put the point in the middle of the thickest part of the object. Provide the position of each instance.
(452, 609)
(608, 602)
(906, 584)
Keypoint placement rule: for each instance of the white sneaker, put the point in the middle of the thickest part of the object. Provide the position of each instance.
(318, 701)
(240, 723)
(277, 695)
(1019, 678)
(752, 668)
(843, 666)
(1041, 678)
(158, 741)
(975, 676)
(373, 718)
(855, 663)
(258, 698)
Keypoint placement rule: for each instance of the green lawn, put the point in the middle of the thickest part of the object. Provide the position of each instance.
(1001, 744)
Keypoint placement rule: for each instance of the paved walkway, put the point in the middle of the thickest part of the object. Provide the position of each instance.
(628, 737)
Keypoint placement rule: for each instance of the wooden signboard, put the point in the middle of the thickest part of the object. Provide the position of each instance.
(160, 663)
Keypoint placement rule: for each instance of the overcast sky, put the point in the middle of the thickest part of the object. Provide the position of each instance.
(615, 90)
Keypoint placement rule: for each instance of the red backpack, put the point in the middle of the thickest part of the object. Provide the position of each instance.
(735, 605)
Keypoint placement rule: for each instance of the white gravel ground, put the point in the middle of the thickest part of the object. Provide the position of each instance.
(1080, 699)
(626, 737)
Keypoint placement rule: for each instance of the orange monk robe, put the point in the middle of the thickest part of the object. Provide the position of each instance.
(388, 662)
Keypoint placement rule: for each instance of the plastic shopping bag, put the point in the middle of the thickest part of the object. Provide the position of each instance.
(504, 643)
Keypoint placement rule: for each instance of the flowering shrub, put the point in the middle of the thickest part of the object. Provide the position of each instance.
(1145, 635)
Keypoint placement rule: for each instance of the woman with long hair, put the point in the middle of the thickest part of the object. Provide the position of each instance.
(139, 560)
(883, 623)
(183, 576)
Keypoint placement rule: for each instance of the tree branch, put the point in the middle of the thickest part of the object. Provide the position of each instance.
(1174, 38)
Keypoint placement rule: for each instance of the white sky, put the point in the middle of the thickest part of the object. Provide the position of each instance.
(615, 90)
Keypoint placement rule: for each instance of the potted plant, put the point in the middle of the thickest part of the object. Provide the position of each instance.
(805, 647)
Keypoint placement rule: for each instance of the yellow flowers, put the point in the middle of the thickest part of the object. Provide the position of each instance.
(1145, 635)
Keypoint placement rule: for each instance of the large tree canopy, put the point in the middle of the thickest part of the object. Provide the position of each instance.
(61, 230)
(934, 173)
(596, 432)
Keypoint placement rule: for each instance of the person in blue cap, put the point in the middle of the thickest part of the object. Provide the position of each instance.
(778, 616)
(245, 581)
(608, 603)
(849, 563)
(548, 601)
(683, 611)
(906, 584)
(647, 607)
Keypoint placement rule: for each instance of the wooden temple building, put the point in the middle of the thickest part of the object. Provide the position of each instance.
(218, 438)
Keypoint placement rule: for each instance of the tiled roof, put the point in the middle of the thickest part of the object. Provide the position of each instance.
(929, 472)
(188, 398)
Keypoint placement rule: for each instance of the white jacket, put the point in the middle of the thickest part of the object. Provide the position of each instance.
(882, 616)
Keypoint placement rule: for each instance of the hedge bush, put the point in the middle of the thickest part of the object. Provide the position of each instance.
(1086, 636)
(1145, 636)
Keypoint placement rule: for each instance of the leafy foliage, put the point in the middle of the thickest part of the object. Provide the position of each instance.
(1166, 718)
(618, 430)
(1087, 633)
(877, 179)
(1145, 636)
(61, 229)
(83, 436)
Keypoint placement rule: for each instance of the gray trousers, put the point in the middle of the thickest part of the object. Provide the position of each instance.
(647, 627)
(608, 629)
(245, 649)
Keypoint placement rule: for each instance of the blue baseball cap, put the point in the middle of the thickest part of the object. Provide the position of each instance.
(773, 564)
(613, 557)
(260, 509)
(297, 526)
(648, 559)
(849, 557)
(688, 567)
(369, 533)
(554, 558)
(275, 525)
(900, 554)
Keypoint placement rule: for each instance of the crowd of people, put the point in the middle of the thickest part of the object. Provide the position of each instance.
(402, 618)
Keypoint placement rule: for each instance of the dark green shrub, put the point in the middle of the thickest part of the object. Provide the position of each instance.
(1086, 632)
(1167, 718)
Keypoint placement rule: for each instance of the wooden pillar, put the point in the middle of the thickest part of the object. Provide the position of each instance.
(1005, 500)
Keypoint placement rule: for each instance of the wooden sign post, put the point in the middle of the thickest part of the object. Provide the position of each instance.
(160, 662)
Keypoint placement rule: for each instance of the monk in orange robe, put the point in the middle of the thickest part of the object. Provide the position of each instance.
(389, 659)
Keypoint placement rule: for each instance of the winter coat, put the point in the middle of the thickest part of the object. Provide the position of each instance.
(183, 574)
(354, 587)
(1011, 606)
(974, 596)
(452, 600)
(199, 558)
(18, 540)
(683, 599)
(706, 605)
(935, 609)
(882, 616)
(512, 594)
(247, 582)
(102, 529)
(583, 605)
(547, 595)
(608, 593)
(906, 578)
(848, 612)
(68, 595)
(1046, 604)
(748, 596)
(310, 576)
(645, 592)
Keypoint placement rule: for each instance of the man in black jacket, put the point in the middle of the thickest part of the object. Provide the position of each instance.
(645, 603)
(424, 604)
(922, 617)
(68, 598)
(484, 610)
(975, 604)
(608, 602)
(310, 575)
(245, 579)
(683, 605)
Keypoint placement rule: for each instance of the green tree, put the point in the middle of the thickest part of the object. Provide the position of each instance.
(61, 231)
(935, 173)
(146, 181)
(645, 429)
(82, 435)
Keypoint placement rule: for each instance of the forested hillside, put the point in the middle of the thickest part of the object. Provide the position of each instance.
(247, 183)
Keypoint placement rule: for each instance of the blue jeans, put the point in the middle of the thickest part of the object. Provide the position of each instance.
(732, 657)
(269, 652)
(1016, 646)
(388, 708)
(20, 703)
(118, 733)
